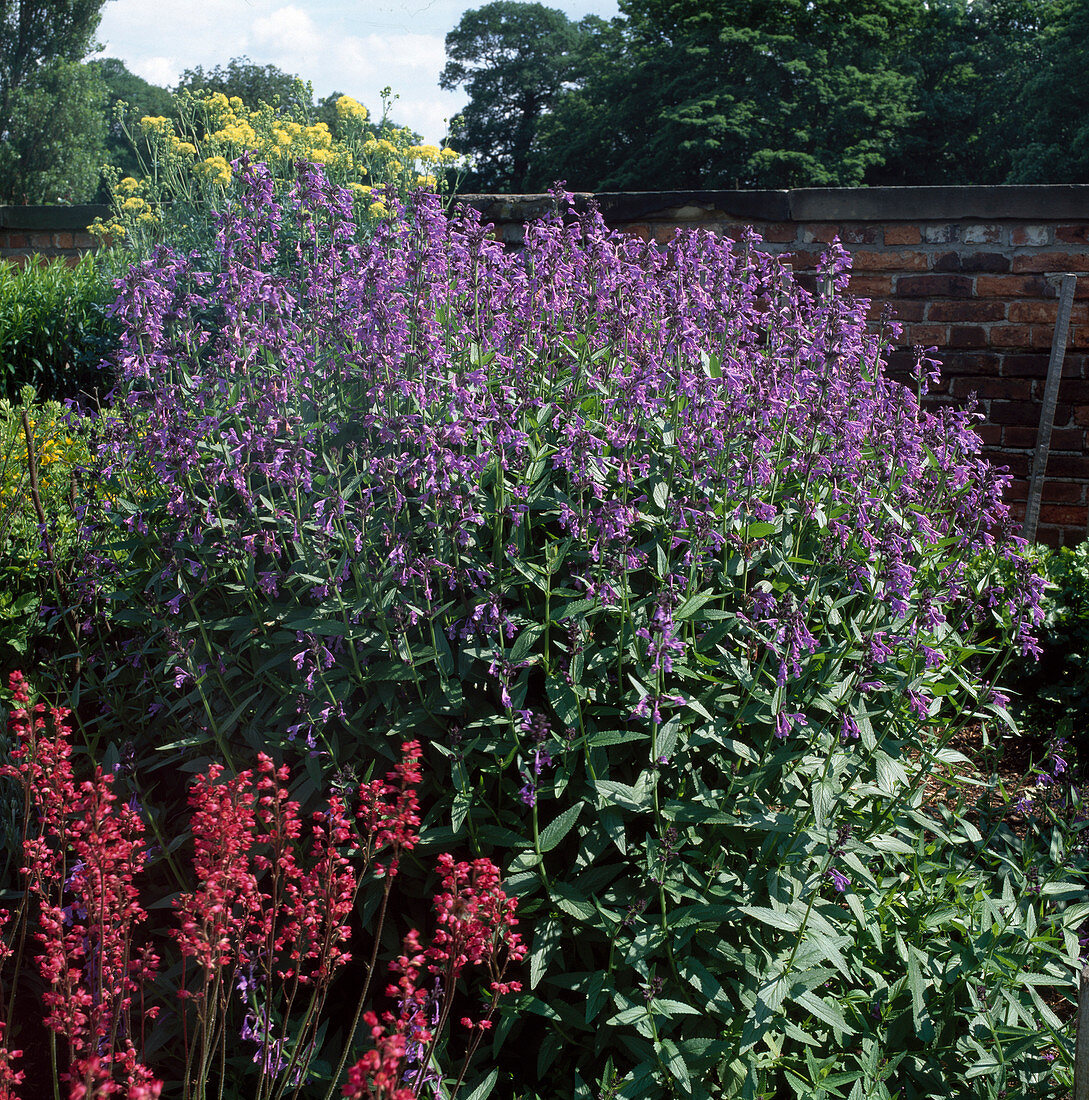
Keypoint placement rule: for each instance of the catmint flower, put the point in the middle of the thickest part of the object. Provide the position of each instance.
(838, 879)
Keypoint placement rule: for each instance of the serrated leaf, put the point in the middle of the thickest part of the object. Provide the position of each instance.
(546, 941)
(556, 830)
(483, 1090)
(788, 922)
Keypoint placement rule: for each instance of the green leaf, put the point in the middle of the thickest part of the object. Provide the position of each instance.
(557, 829)
(546, 941)
(483, 1090)
(788, 922)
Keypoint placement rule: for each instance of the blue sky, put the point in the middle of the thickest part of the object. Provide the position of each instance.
(352, 46)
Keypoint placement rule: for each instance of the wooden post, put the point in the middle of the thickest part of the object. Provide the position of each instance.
(1047, 413)
(1081, 1043)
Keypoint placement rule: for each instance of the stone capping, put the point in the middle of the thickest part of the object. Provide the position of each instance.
(1029, 202)
(1020, 202)
(45, 218)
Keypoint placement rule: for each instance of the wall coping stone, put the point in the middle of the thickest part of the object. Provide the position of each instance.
(1022, 202)
(51, 217)
(1031, 202)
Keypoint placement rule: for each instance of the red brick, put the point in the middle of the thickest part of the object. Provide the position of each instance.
(1062, 492)
(803, 259)
(1074, 389)
(1066, 439)
(1008, 389)
(991, 434)
(40, 240)
(1024, 365)
(926, 335)
(967, 336)
(1062, 465)
(14, 240)
(1079, 337)
(1034, 312)
(1051, 536)
(973, 363)
(908, 311)
(861, 234)
(1012, 412)
(1014, 286)
(636, 229)
(1073, 234)
(778, 232)
(1044, 313)
(889, 261)
(822, 232)
(982, 234)
(1016, 490)
(63, 240)
(973, 261)
(902, 234)
(1063, 515)
(1052, 262)
(1011, 336)
(871, 286)
(1020, 435)
(934, 286)
(1037, 235)
(966, 311)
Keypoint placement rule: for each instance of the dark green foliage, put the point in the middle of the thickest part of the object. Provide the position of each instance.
(513, 59)
(48, 103)
(1053, 695)
(54, 329)
(253, 84)
(56, 146)
(1054, 146)
(740, 93)
(130, 98)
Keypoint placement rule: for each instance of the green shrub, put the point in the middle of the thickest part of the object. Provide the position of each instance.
(33, 557)
(684, 598)
(54, 325)
(1052, 695)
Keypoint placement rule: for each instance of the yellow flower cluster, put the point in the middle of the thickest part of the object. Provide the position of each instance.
(192, 155)
(52, 446)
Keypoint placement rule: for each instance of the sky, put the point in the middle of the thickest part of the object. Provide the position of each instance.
(356, 47)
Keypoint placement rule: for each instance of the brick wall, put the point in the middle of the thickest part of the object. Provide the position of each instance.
(46, 230)
(973, 271)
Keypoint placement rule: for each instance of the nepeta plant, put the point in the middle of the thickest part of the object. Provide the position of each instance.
(681, 594)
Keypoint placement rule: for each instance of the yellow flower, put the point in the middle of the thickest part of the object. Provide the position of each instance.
(351, 108)
(235, 103)
(133, 205)
(378, 210)
(128, 186)
(156, 124)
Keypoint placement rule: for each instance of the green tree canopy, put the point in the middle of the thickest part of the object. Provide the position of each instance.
(47, 100)
(129, 98)
(514, 60)
(745, 93)
(253, 84)
(57, 145)
(1054, 101)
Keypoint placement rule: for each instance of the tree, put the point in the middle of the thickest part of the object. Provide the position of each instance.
(57, 145)
(1054, 103)
(40, 42)
(514, 59)
(253, 84)
(739, 93)
(140, 98)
